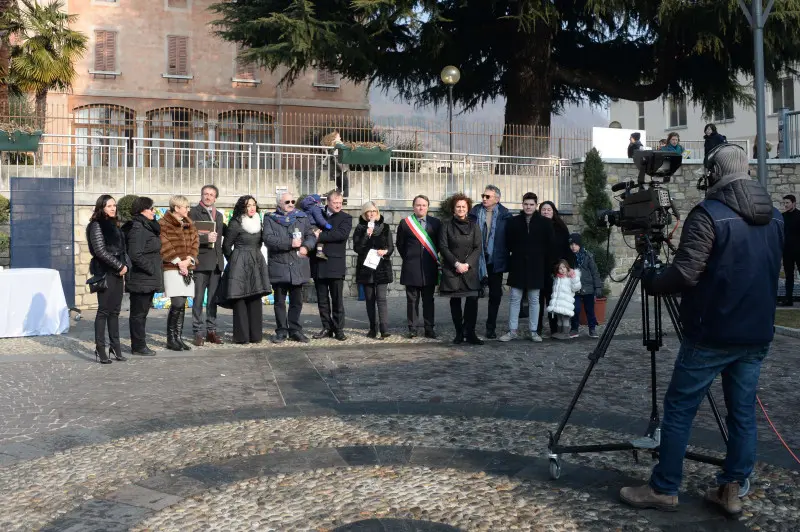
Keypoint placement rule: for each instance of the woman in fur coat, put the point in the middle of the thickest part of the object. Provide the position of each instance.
(109, 260)
(566, 283)
(180, 245)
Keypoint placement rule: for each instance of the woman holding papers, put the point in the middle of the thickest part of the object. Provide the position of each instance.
(372, 241)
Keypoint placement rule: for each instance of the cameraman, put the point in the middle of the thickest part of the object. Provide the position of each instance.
(726, 268)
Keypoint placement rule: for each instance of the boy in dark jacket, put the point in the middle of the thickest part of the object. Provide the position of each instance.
(312, 206)
(591, 286)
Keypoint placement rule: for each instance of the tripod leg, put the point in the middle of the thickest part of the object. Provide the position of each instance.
(599, 352)
(672, 308)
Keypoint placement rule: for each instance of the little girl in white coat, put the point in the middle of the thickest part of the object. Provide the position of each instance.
(566, 283)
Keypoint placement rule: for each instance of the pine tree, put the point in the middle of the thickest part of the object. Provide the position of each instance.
(595, 235)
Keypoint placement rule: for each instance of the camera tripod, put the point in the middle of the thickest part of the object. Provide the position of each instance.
(652, 338)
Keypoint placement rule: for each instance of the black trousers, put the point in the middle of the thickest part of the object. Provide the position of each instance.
(247, 316)
(413, 295)
(495, 296)
(375, 294)
(140, 307)
(791, 260)
(284, 327)
(109, 303)
(552, 321)
(202, 281)
(465, 321)
(330, 292)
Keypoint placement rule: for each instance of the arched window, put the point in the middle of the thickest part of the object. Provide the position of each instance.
(173, 125)
(239, 128)
(102, 134)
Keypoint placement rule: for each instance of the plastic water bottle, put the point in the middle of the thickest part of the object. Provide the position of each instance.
(371, 224)
(297, 235)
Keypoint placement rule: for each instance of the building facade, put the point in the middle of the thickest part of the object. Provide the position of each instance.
(154, 69)
(662, 116)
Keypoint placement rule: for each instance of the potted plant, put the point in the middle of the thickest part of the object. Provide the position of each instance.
(364, 153)
(594, 234)
(19, 138)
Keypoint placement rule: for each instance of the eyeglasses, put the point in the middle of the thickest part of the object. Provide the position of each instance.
(486, 196)
(289, 202)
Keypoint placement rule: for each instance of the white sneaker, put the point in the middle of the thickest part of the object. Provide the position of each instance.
(535, 337)
(507, 337)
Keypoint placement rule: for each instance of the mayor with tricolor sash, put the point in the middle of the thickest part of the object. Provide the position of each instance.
(417, 237)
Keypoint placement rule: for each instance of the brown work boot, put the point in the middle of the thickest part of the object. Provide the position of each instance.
(213, 338)
(199, 340)
(726, 497)
(645, 497)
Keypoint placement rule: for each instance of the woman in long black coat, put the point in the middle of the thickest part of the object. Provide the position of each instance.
(460, 247)
(246, 278)
(110, 261)
(146, 276)
(559, 251)
(372, 233)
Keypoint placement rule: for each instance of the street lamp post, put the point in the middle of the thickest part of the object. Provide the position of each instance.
(450, 76)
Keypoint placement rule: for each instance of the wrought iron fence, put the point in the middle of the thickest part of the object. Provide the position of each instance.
(162, 167)
(695, 149)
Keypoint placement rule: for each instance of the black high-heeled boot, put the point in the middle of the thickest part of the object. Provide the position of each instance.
(117, 352)
(172, 330)
(179, 330)
(100, 355)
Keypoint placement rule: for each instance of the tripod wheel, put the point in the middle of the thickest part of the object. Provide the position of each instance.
(555, 469)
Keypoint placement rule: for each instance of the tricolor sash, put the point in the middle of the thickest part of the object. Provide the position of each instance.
(419, 232)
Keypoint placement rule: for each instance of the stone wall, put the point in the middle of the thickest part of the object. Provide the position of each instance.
(784, 178)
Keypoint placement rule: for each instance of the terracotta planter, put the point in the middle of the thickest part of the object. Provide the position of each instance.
(599, 312)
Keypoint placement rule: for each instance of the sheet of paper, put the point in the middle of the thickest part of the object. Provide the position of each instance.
(373, 259)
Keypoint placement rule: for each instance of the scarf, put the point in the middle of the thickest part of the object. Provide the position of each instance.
(212, 209)
(153, 225)
(251, 224)
(287, 219)
(487, 239)
(580, 258)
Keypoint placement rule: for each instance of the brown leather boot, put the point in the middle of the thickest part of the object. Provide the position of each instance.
(199, 340)
(726, 497)
(213, 338)
(645, 497)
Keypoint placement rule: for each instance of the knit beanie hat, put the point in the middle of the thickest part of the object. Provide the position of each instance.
(575, 238)
(730, 159)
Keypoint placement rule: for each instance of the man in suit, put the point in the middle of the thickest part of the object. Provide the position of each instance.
(417, 237)
(209, 267)
(329, 274)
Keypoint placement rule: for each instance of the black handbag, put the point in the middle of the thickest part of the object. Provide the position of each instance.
(188, 278)
(97, 284)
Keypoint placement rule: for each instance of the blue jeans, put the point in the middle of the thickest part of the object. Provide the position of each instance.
(588, 303)
(695, 369)
(533, 309)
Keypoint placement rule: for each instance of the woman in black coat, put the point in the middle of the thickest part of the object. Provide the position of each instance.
(559, 251)
(711, 139)
(109, 260)
(146, 276)
(460, 247)
(372, 233)
(246, 278)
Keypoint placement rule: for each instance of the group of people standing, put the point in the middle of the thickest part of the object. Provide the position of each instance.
(466, 256)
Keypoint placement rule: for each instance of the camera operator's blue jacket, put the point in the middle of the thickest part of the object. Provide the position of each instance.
(499, 258)
(727, 267)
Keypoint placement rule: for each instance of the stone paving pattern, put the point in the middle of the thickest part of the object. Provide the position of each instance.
(357, 435)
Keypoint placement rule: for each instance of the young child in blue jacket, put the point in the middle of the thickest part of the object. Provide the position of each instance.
(312, 206)
(591, 286)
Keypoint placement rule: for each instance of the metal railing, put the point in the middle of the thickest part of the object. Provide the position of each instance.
(161, 167)
(695, 149)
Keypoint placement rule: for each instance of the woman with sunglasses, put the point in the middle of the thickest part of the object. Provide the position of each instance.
(146, 276)
(245, 280)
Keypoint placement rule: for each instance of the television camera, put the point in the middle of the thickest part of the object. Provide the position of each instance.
(646, 207)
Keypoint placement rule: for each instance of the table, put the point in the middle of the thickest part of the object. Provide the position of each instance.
(32, 303)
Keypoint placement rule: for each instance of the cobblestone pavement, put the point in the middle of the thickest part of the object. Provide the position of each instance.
(359, 435)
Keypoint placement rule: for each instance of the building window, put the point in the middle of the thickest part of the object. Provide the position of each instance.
(640, 114)
(239, 129)
(245, 71)
(178, 4)
(104, 135)
(724, 115)
(173, 125)
(177, 56)
(327, 80)
(105, 52)
(783, 95)
(677, 113)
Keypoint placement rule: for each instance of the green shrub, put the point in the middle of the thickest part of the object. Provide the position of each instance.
(5, 210)
(594, 235)
(124, 205)
(5, 242)
(446, 208)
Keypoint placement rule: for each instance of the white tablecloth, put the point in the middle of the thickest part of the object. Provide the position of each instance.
(32, 303)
